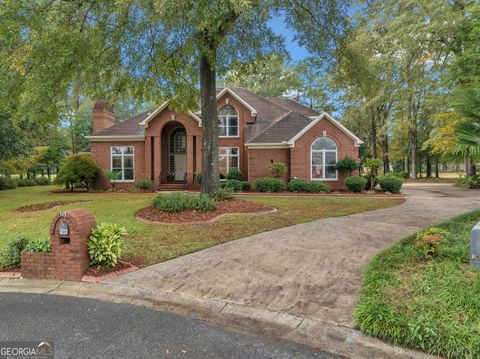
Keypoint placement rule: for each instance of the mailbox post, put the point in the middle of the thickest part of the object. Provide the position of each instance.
(475, 246)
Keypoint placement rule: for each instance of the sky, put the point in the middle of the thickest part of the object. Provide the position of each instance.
(277, 24)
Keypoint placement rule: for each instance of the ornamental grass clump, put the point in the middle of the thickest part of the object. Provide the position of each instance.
(105, 245)
(177, 202)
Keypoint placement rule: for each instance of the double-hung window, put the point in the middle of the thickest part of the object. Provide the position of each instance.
(229, 157)
(228, 122)
(324, 159)
(122, 162)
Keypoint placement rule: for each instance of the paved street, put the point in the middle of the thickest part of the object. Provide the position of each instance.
(87, 328)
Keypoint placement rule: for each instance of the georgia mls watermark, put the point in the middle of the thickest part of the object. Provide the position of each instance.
(26, 350)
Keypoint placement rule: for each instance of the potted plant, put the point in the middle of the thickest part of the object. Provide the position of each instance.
(170, 176)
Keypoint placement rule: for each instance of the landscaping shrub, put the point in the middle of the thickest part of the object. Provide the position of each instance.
(391, 183)
(373, 165)
(78, 169)
(233, 184)
(246, 186)
(235, 174)
(105, 244)
(26, 182)
(427, 241)
(144, 184)
(42, 181)
(468, 182)
(278, 169)
(346, 165)
(7, 183)
(11, 256)
(112, 176)
(198, 178)
(402, 174)
(356, 184)
(224, 193)
(176, 202)
(297, 185)
(39, 246)
(269, 185)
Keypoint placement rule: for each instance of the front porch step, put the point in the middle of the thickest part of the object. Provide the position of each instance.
(172, 187)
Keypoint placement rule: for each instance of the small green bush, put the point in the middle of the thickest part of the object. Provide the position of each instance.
(391, 183)
(233, 184)
(26, 182)
(356, 184)
(402, 174)
(298, 185)
(144, 184)
(346, 165)
(235, 174)
(78, 169)
(198, 178)
(224, 193)
(105, 244)
(246, 186)
(278, 169)
(177, 202)
(39, 246)
(269, 185)
(11, 256)
(428, 241)
(7, 183)
(42, 181)
(468, 182)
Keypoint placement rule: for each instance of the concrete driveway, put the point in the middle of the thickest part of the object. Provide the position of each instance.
(311, 270)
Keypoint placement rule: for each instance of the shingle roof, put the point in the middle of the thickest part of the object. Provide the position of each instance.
(277, 120)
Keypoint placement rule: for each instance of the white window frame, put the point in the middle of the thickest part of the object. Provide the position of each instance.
(229, 155)
(323, 160)
(227, 118)
(123, 155)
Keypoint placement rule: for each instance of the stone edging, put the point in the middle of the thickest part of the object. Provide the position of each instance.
(326, 336)
(274, 210)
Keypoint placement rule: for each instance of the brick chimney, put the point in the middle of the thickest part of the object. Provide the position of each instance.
(102, 116)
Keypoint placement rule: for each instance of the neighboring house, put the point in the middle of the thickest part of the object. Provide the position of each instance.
(166, 146)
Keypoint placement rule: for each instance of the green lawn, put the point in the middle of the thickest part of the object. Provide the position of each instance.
(150, 243)
(432, 305)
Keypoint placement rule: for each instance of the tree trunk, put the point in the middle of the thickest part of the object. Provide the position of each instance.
(373, 133)
(210, 174)
(413, 137)
(468, 167)
(437, 165)
(429, 167)
(386, 161)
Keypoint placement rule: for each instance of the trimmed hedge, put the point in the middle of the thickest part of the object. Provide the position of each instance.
(356, 184)
(7, 183)
(26, 182)
(297, 185)
(177, 202)
(42, 181)
(233, 184)
(391, 183)
(235, 174)
(269, 185)
(246, 186)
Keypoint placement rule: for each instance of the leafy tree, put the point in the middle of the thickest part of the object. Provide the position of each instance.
(77, 169)
(373, 165)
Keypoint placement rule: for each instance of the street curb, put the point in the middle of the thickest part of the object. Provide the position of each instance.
(326, 336)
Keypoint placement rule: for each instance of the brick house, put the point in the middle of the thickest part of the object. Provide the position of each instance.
(165, 146)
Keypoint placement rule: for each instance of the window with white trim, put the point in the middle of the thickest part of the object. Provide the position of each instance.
(229, 157)
(122, 162)
(324, 159)
(228, 122)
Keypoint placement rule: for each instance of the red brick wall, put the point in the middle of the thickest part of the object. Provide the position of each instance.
(102, 117)
(300, 153)
(66, 261)
(100, 152)
(260, 159)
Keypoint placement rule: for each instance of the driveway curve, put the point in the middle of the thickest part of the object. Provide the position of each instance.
(310, 270)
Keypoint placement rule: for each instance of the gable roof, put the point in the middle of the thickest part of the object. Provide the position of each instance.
(278, 121)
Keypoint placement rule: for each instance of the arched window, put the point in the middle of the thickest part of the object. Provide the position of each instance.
(324, 159)
(228, 122)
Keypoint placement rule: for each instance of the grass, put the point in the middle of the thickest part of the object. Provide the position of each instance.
(433, 305)
(151, 243)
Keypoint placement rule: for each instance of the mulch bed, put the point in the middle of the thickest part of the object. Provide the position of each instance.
(44, 206)
(153, 214)
(97, 274)
(10, 272)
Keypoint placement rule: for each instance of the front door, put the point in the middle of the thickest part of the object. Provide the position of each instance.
(180, 167)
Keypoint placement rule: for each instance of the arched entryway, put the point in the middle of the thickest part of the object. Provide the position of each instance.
(174, 149)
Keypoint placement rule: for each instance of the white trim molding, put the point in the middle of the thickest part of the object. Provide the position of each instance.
(323, 115)
(261, 146)
(253, 112)
(162, 107)
(115, 138)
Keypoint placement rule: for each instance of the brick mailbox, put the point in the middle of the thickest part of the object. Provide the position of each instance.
(68, 260)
